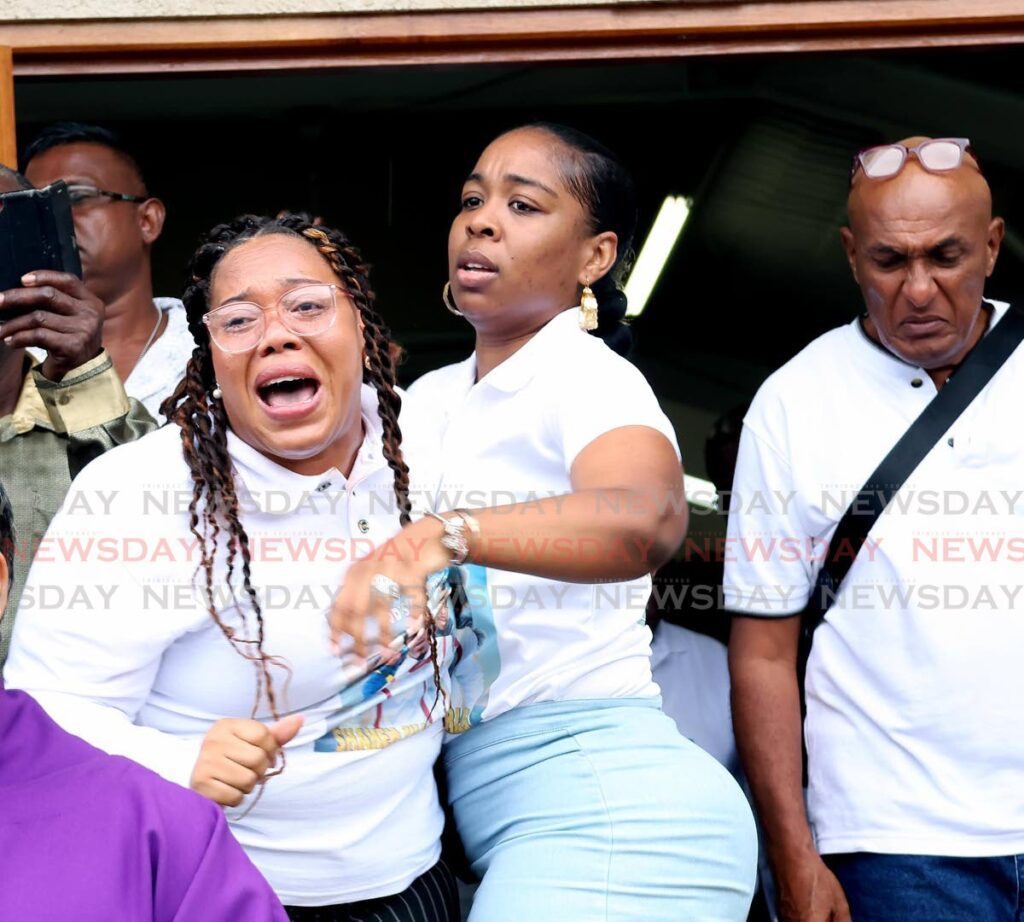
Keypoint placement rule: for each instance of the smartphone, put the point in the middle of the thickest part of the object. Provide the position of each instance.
(36, 232)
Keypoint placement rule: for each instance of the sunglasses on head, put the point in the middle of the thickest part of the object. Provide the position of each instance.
(937, 155)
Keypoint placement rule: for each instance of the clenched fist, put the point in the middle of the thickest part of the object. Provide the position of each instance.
(237, 754)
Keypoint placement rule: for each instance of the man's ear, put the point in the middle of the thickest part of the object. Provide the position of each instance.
(996, 232)
(151, 219)
(850, 246)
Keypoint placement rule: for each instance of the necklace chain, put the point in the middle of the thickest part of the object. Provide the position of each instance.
(152, 334)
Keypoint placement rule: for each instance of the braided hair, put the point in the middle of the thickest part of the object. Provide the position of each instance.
(599, 181)
(214, 506)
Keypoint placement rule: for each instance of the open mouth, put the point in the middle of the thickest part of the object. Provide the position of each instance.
(473, 269)
(288, 391)
(474, 261)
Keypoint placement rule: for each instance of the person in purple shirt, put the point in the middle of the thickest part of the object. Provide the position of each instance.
(93, 837)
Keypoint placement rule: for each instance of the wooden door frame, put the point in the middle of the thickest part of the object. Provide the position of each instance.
(597, 32)
(8, 135)
(608, 31)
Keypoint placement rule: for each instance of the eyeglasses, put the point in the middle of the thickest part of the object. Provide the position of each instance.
(240, 325)
(79, 193)
(937, 155)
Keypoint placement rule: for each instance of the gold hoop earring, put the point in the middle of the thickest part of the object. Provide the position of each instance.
(446, 295)
(588, 309)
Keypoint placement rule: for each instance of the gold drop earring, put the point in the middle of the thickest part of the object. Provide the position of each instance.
(588, 308)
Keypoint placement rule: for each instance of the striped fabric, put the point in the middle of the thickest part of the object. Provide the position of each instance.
(432, 897)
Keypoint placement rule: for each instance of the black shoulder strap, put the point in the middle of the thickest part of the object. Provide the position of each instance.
(984, 360)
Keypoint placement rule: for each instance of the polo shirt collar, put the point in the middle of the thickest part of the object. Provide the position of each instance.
(266, 483)
(545, 346)
(882, 362)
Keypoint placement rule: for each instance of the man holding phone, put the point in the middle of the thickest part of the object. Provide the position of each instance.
(117, 223)
(57, 416)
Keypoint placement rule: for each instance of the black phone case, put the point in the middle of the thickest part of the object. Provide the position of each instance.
(36, 232)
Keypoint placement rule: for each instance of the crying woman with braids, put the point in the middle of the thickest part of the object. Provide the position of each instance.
(209, 555)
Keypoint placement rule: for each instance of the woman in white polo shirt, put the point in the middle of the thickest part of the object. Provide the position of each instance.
(205, 559)
(574, 795)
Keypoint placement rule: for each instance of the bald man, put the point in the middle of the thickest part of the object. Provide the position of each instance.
(915, 685)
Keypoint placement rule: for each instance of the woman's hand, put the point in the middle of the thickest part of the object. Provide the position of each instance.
(236, 756)
(407, 560)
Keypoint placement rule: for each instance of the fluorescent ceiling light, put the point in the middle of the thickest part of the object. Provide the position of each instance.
(655, 252)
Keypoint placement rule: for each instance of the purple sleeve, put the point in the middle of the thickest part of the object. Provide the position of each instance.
(227, 886)
(202, 871)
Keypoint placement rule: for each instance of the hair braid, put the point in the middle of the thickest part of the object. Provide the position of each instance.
(380, 363)
(214, 507)
(214, 500)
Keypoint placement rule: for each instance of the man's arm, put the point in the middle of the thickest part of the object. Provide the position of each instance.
(90, 404)
(766, 592)
(82, 393)
(767, 723)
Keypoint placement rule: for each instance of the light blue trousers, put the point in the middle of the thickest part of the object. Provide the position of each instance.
(586, 811)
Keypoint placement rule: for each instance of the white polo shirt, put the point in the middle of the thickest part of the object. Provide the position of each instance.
(119, 648)
(509, 438)
(915, 685)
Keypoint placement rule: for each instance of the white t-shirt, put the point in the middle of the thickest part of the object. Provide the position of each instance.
(915, 730)
(513, 437)
(158, 372)
(114, 642)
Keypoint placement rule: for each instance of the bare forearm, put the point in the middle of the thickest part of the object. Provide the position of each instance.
(581, 536)
(766, 718)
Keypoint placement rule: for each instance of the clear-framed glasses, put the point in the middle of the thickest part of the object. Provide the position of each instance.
(937, 155)
(80, 192)
(306, 311)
